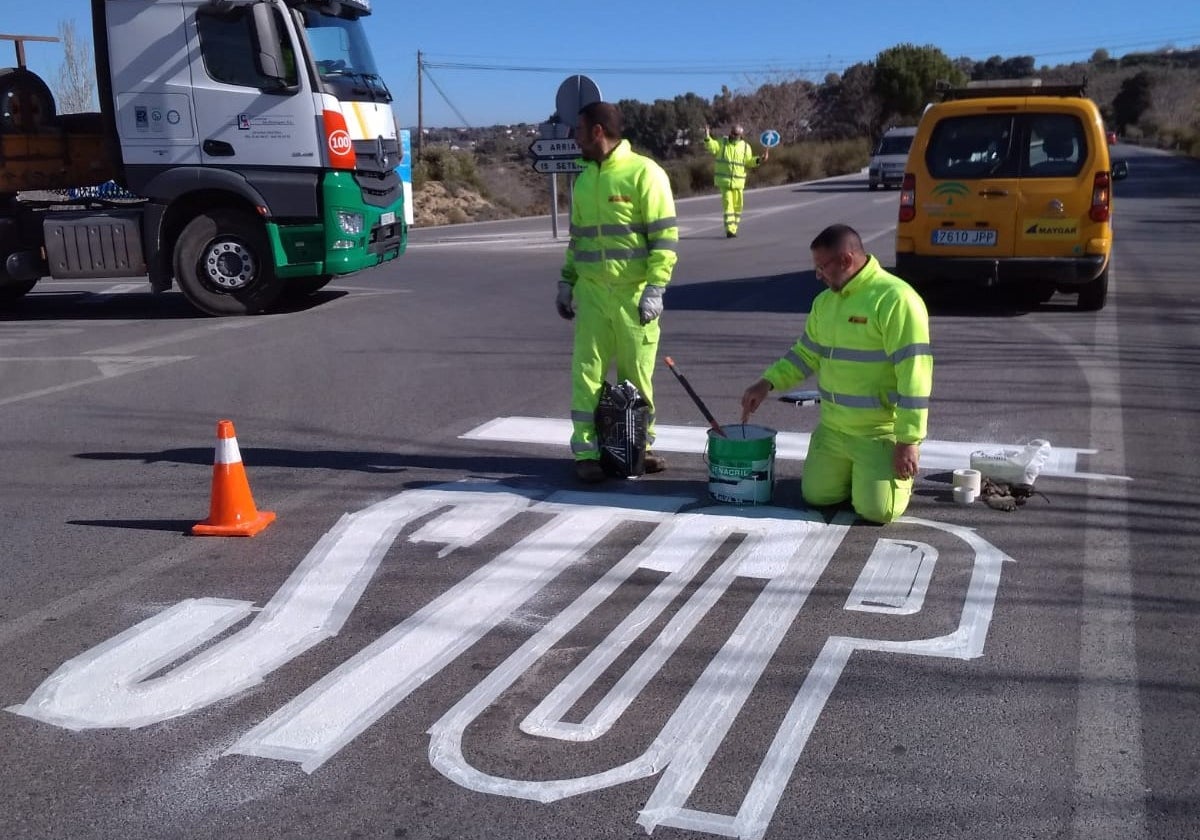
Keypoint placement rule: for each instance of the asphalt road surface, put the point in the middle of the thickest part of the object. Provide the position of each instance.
(443, 636)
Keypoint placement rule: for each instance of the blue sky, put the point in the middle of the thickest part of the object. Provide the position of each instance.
(647, 51)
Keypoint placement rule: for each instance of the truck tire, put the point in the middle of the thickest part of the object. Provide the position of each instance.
(223, 264)
(12, 291)
(1093, 296)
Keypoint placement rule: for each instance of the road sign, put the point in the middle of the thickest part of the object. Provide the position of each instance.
(574, 93)
(769, 138)
(549, 166)
(554, 149)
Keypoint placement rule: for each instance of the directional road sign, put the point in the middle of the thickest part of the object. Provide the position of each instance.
(550, 166)
(769, 138)
(554, 149)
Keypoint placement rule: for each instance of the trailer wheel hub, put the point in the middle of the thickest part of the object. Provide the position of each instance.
(229, 266)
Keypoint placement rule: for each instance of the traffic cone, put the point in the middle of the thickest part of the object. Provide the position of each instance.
(232, 512)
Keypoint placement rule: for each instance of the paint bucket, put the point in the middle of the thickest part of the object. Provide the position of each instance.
(741, 466)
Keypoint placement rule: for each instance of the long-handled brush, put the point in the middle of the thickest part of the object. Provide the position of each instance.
(712, 421)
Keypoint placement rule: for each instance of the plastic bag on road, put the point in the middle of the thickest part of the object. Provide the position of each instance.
(1013, 466)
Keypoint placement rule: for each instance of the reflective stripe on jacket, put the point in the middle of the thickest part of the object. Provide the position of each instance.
(734, 157)
(869, 346)
(623, 226)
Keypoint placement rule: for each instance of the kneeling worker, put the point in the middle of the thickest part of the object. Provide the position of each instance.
(867, 340)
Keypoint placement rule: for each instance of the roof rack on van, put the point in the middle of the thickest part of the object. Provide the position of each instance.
(985, 88)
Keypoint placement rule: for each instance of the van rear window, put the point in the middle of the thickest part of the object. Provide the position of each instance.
(1026, 145)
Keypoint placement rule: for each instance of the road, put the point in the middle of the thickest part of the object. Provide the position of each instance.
(443, 636)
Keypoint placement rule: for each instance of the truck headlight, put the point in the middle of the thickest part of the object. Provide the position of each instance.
(350, 223)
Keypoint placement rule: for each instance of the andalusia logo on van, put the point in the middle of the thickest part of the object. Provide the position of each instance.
(950, 191)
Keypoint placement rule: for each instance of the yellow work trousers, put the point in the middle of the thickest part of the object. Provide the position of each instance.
(731, 205)
(841, 466)
(608, 329)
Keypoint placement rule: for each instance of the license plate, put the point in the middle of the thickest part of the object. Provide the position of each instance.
(979, 236)
(388, 218)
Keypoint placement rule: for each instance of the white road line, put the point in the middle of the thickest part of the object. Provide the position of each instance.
(110, 367)
(789, 446)
(174, 338)
(1110, 779)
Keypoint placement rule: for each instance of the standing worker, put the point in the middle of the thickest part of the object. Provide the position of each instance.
(867, 339)
(618, 263)
(733, 157)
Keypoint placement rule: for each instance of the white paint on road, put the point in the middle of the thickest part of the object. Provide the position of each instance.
(122, 682)
(112, 685)
(895, 578)
(790, 446)
(336, 709)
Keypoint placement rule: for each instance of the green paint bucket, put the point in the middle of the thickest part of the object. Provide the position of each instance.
(741, 466)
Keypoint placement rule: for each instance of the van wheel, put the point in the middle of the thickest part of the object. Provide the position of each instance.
(223, 264)
(872, 186)
(1093, 296)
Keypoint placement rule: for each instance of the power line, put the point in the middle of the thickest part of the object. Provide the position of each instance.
(438, 88)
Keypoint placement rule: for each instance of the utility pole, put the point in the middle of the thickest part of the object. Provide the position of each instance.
(420, 112)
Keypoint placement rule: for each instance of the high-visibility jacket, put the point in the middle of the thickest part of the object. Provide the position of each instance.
(623, 227)
(869, 346)
(734, 157)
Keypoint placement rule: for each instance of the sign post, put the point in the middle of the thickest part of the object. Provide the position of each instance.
(555, 150)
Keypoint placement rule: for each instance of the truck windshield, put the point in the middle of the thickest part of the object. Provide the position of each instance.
(343, 57)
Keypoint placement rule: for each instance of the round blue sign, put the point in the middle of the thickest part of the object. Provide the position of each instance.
(769, 138)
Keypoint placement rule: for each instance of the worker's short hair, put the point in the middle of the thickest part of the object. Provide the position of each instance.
(607, 116)
(739, 130)
(839, 238)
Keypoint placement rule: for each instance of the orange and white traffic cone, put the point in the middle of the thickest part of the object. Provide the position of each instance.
(232, 512)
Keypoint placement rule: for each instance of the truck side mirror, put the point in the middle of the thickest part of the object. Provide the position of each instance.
(269, 59)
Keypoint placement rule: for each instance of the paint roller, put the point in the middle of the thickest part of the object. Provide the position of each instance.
(712, 421)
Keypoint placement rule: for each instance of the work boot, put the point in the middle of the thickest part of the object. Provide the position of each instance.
(589, 472)
(654, 463)
(730, 234)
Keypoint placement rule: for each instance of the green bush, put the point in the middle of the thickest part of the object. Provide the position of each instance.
(454, 168)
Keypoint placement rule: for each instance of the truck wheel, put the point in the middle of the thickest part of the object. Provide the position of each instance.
(12, 291)
(301, 287)
(1093, 296)
(223, 264)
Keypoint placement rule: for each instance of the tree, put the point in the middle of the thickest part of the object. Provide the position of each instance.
(1100, 56)
(75, 88)
(847, 106)
(1133, 99)
(906, 77)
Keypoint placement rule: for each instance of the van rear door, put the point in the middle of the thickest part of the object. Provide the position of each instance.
(1056, 188)
(970, 208)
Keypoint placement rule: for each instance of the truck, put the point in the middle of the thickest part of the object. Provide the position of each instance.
(244, 151)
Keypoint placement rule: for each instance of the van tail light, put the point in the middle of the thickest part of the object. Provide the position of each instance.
(1101, 198)
(908, 197)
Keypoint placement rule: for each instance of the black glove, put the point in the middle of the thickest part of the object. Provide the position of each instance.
(564, 304)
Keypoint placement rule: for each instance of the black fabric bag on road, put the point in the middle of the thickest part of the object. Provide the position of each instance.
(622, 418)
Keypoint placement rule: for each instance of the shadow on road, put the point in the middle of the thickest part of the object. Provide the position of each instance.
(791, 292)
(92, 306)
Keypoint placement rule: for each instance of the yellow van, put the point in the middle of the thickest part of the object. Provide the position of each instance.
(1010, 184)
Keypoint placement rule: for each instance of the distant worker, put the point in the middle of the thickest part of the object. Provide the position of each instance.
(622, 252)
(867, 340)
(733, 157)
